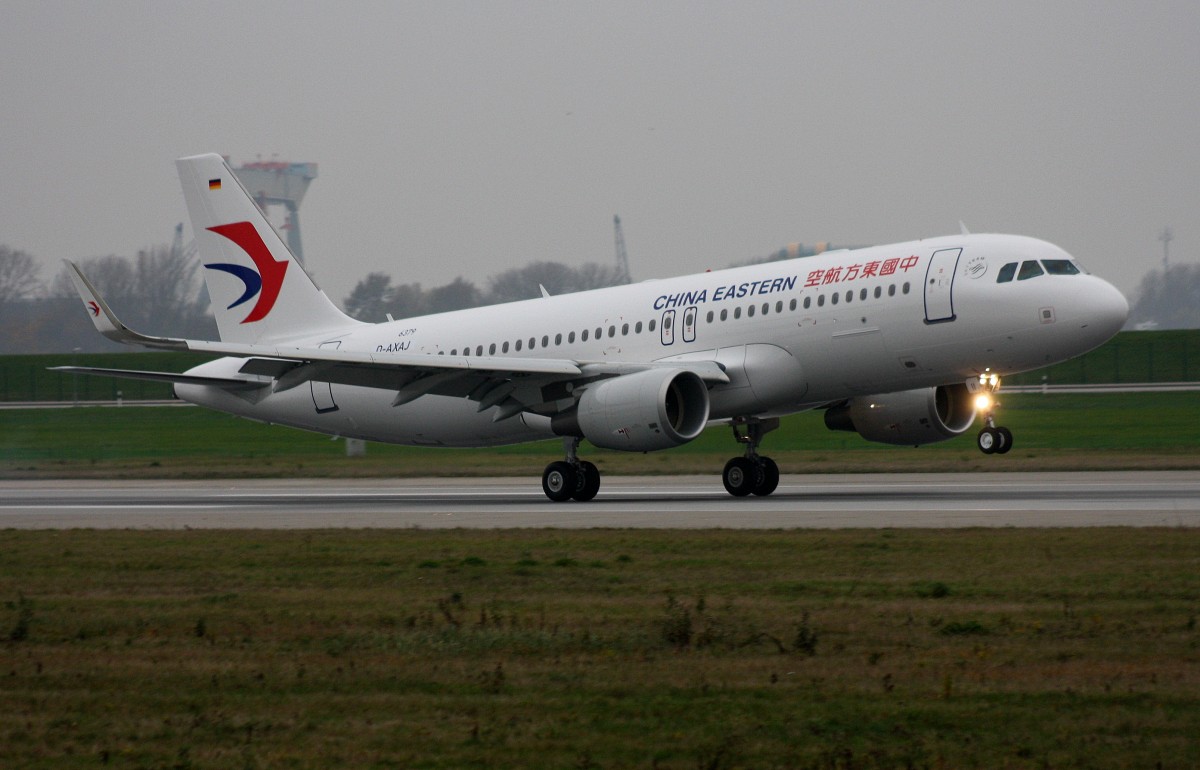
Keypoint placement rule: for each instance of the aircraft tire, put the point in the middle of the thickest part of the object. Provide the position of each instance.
(1006, 441)
(587, 483)
(988, 441)
(768, 477)
(740, 476)
(559, 481)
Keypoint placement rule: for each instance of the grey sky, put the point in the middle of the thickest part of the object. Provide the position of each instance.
(464, 138)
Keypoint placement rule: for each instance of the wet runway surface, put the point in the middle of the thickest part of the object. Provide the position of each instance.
(1139, 499)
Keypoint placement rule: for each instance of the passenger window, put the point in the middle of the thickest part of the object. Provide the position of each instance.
(862, 294)
(545, 340)
(779, 306)
(1007, 272)
(766, 308)
(710, 316)
(849, 296)
(750, 312)
(807, 302)
(792, 304)
(557, 339)
(454, 352)
(650, 326)
(624, 330)
(1029, 269)
(492, 349)
(571, 337)
(532, 343)
(821, 301)
(637, 329)
(906, 287)
(834, 299)
(504, 348)
(612, 331)
(518, 346)
(878, 292)
(479, 350)
(1060, 267)
(584, 335)
(737, 312)
(599, 332)
(892, 290)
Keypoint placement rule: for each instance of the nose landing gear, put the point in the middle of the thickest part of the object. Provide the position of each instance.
(992, 439)
(753, 473)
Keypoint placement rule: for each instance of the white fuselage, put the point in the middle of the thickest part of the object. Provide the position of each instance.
(791, 335)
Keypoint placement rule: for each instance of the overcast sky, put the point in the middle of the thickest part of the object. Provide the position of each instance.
(465, 138)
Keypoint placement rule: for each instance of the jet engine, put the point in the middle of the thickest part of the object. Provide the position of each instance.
(907, 418)
(640, 412)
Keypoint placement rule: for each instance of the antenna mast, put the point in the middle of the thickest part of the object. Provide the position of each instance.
(1166, 236)
(623, 275)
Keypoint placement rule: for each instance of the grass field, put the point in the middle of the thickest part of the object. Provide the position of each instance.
(600, 649)
(1052, 432)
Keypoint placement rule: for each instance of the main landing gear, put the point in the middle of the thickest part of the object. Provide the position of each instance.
(752, 473)
(992, 439)
(571, 479)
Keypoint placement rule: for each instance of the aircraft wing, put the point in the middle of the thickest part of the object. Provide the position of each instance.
(544, 385)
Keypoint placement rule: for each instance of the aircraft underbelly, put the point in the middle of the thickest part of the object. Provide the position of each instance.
(367, 413)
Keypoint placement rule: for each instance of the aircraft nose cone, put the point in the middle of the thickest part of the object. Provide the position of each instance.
(1110, 308)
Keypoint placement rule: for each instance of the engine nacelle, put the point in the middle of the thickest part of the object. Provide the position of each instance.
(908, 418)
(641, 412)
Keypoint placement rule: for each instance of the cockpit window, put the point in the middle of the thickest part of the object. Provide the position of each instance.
(1007, 272)
(1030, 269)
(1060, 267)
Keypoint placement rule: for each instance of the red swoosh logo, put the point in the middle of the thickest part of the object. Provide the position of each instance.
(94, 308)
(272, 271)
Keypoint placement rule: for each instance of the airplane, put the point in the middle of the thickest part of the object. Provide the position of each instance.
(904, 344)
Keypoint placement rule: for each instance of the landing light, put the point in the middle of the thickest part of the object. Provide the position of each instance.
(983, 402)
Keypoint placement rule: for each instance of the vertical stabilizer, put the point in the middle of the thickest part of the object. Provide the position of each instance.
(260, 292)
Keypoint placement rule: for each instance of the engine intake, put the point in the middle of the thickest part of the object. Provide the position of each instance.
(907, 418)
(641, 412)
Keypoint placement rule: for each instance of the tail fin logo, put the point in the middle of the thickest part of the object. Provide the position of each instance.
(266, 282)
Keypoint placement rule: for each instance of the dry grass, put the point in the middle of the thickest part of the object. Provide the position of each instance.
(1006, 648)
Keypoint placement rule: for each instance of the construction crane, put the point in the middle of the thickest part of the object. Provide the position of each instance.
(623, 275)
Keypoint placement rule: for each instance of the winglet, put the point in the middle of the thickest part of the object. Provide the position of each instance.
(106, 320)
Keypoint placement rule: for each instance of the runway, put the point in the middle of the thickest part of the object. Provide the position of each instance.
(938, 500)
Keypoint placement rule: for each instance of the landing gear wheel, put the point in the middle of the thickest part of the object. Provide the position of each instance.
(989, 441)
(587, 482)
(1006, 440)
(559, 481)
(740, 476)
(768, 477)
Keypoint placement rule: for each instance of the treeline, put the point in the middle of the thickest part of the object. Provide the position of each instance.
(1167, 299)
(375, 297)
(158, 291)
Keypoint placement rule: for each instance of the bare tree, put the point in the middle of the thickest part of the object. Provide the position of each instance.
(18, 275)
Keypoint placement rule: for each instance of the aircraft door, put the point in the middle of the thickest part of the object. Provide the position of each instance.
(667, 327)
(689, 324)
(322, 392)
(939, 286)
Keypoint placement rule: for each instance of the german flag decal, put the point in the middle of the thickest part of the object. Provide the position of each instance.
(214, 184)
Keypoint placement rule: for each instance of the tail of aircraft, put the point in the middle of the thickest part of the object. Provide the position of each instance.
(259, 292)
